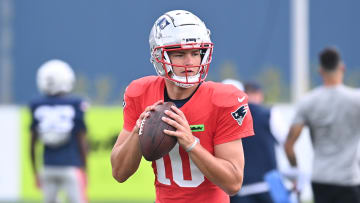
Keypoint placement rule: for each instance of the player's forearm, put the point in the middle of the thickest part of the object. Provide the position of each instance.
(32, 153)
(294, 134)
(290, 153)
(219, 171)
(33, 162)
(83, 147)
(126, 157)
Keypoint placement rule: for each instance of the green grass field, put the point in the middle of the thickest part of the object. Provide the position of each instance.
(104, 124)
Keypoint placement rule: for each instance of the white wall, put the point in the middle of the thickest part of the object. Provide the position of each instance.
(10, 153)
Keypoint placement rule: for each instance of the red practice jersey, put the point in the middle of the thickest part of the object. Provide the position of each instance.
(217, 113)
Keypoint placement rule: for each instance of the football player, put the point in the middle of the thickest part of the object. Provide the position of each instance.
(207, 163)
(58, 124)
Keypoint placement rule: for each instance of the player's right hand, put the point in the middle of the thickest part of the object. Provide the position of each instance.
(145, 114)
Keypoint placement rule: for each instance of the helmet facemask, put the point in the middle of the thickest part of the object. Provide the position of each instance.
(167, 67)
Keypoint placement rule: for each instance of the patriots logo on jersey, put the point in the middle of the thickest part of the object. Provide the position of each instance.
(240, 114)
(163, 23)
(123, 103)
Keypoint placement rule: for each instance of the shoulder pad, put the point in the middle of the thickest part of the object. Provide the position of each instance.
(225, 95)
(139, 86)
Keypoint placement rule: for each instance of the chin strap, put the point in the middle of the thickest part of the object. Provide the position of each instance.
(183, 80)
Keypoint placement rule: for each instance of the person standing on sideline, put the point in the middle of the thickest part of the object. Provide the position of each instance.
(332, 113)
(58, 123)
(207, 164)
(259, 151)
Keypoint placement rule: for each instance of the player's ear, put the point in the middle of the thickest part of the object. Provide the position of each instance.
(342, 67)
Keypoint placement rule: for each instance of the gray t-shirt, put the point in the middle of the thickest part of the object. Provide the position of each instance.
(333, 117)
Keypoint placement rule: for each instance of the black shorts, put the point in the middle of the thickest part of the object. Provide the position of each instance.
(328, 193)
(261, 197)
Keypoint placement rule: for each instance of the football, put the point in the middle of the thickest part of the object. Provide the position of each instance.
(154, 143)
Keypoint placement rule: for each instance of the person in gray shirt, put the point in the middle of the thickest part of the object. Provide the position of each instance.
(332, 113)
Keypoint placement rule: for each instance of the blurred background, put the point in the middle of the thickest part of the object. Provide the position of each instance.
(106, 42)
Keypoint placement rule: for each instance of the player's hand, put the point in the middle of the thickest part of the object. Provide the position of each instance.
(145, 114)
(183, 131)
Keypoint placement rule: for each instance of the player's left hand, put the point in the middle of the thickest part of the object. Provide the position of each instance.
(183, 131)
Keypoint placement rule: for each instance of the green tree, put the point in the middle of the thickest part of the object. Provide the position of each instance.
(352, 77)
(103, 86)
(228, 70)
(273, 85)
(82, 85)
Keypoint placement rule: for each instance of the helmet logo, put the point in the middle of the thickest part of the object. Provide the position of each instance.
(163, 23)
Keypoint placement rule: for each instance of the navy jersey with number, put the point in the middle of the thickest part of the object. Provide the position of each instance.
(57, 121)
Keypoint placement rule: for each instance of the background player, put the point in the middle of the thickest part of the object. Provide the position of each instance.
(206, 165)
(332, 112)
(58, 122)
(259, 151)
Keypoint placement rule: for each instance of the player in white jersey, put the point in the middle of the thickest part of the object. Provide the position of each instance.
(332, 113)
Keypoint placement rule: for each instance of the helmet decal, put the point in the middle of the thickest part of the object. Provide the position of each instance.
(163, 23)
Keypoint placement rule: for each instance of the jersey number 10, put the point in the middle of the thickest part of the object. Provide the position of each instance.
(177, 170)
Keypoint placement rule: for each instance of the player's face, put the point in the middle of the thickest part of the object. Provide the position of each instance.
(190, 58)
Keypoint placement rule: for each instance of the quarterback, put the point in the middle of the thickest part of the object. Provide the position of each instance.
(210, 118)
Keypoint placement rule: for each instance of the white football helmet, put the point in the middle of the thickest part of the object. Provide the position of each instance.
(234, 82)
(54, 77)
(179, 30)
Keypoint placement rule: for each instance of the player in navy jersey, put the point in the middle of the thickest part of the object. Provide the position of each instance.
(58, 123)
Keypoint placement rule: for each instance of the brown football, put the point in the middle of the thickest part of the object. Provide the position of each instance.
(154, 143)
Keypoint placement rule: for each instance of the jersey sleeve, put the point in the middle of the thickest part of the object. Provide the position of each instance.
(300, 113)
(81, 109)
(235, 122)
(134, 99)
(130, 113)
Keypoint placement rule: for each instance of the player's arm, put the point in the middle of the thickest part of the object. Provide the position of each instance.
(34, 139)
(32, 151)
(225, 169)
(82, 132)
(294, 133)
(83, 146)
(126, 154)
